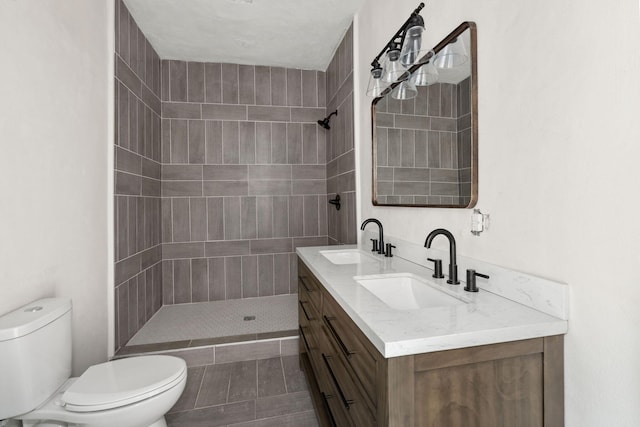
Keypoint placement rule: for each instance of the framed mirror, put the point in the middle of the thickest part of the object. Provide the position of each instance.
(425, 148)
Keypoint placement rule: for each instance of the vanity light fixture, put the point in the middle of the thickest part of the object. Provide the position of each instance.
(452, 55)
(405, 90)
(427, 74)
(400, 53)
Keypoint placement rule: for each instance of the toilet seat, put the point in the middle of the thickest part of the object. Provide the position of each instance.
(122, 382)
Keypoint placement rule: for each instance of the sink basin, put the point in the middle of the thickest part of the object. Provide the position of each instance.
(348, 256)
(405, 291)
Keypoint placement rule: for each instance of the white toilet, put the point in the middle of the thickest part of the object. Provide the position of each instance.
(35, 388)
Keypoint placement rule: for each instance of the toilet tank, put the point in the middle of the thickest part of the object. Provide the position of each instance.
(35, 354)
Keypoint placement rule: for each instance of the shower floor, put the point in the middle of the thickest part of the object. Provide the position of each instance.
(217, 322)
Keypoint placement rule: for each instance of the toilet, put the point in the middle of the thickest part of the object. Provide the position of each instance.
(36, 388)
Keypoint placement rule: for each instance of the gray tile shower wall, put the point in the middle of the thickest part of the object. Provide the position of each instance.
(340, 143)
(138, 268)
(243, 178)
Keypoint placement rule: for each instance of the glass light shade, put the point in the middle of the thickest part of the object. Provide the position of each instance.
(393, 69)
(376, 86)
(452, 55)
(425, 75)
(405, 90)
(411, 46)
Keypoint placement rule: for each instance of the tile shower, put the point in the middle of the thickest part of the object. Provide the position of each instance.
(221, 172)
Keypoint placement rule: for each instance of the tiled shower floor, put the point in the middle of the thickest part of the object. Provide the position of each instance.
(209, 323)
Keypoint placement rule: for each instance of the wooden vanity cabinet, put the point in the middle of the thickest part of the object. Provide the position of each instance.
(518, 383)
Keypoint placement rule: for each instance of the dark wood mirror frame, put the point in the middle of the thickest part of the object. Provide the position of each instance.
(466, 201)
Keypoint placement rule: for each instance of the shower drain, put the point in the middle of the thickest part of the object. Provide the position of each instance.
(248, 318)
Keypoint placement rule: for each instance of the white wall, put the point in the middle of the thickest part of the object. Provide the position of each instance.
(559, 101)
(55, 140)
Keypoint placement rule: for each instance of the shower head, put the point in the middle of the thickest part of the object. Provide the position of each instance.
(325, 122)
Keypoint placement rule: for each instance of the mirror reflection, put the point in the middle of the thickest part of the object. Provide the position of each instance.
(425, 130)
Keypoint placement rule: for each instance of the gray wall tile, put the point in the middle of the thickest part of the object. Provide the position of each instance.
(230, 143)
(224, 112)
(196, 141)
(198, 217)
(199, 280)
(265, 275)
(179, 141)
(233, 277)
(230, 83)
(227, 248)
(195, 82)
(269, 114)
(246, 90)
(181, 172)
(213, 83)
(263, 143)
(182, 250)
(232, 225)
(264, 215)
(216, 279)
(225, 188)
(294, 87)
(309, 115)
(279, 143)
(213, 142)
(278, 86)
(309, 88)
(263, 85)
(181, 188)
(281, 274)
(248, 215)
(273, 188)
(178, 80)
(249, 276)
(225, 173)
(182, 281)
(265, 246)
(215, 218)
(247, 140)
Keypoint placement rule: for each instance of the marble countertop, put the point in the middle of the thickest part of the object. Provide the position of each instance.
(486, 318)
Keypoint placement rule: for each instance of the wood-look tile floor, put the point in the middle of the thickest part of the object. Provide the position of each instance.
(254, 393)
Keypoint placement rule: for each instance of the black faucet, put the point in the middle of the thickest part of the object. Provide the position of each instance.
(380, 235)
(453, 268)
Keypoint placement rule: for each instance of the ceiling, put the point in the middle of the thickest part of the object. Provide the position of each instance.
(287, 33)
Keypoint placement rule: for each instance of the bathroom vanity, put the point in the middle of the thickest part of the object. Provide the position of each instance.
(424, 354)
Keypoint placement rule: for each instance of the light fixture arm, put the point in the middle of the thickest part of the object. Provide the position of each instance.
(398, 35)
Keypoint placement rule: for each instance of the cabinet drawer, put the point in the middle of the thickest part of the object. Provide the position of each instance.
(347, 392)
(308, 283)
(348, 341)
(307, 311)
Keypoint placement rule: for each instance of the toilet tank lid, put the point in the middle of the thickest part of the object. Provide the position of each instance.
(32, 317)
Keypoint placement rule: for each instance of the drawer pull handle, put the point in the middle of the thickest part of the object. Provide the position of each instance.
(325, 403)
(345, 350)
(304, 338)
(346, 402)
(302, 303)
(305, 285)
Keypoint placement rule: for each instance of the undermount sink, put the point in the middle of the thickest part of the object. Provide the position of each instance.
(406, 291)
(348, 256)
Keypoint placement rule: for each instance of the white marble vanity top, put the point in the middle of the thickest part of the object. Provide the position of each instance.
(485, 318)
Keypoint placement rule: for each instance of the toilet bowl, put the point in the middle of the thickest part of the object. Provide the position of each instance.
(132, 392)
(35, 363)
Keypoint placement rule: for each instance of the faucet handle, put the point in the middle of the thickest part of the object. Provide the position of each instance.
(437, 268)
(375, 245)
(471, 280)
(388, 253)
